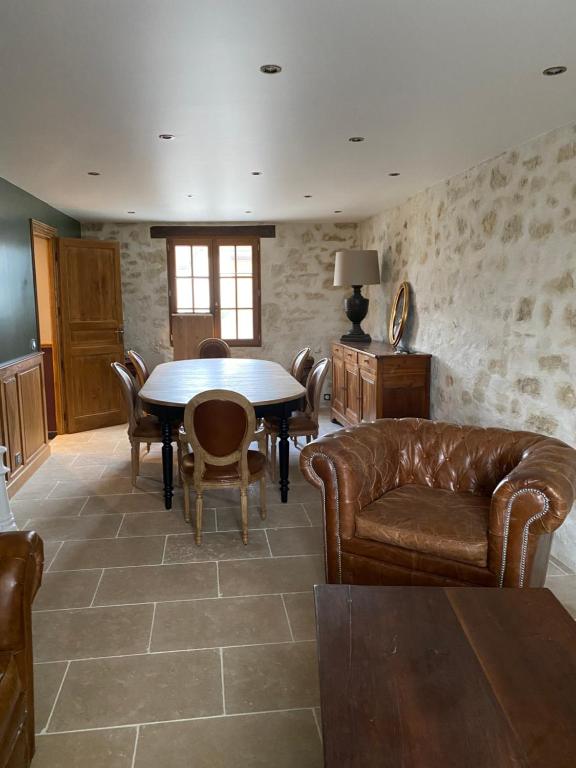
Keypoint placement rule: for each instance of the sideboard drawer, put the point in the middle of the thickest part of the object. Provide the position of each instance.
(367, 361)
(351, 356)
(337, 351)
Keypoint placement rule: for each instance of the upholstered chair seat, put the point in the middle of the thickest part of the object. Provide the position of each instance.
(228, 473)
(417, 502)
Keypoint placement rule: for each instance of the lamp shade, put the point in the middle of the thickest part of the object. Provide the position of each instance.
(356, 268)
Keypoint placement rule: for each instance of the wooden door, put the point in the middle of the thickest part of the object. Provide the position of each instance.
(367, 382)
(352, 405)
(91, 332)
(338, 385)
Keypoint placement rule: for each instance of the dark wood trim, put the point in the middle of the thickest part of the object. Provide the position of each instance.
(39, 229)
(250, 230)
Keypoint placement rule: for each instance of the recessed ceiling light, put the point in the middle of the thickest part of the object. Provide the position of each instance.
(93, 173)
(189, 195)
(166, 136)
(270, 69)
(131, 211)
(337, 211)
(356, 139)
(551, 71)
(256, 173)
(395, 173)
(307, 195)
(247, 211)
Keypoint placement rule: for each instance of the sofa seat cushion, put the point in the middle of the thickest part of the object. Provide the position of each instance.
(441, 523)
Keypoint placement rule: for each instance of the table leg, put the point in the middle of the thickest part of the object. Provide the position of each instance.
(167, 458)
(283, 456)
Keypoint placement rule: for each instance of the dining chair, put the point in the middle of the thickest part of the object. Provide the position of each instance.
(213, 348)
(219, 427)
(301, 365)
(142, 427)
(301, 423)
(142, 371)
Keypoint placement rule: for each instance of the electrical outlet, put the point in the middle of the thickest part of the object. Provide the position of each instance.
(327, 396)
(33, 345)
(18, 459)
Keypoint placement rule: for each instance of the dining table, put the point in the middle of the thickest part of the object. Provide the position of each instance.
(270, 389)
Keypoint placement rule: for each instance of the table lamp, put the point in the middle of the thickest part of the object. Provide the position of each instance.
(356, 268)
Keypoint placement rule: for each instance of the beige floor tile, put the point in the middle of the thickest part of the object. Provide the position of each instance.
(215, 546)
(95, 459)
(91, 632)
(228, 497)
(138, 689)
(51, 548)
(278, 516)
(163, 522)
(564, 587)
(157, 582)
(109, 553)
(88, 749)
(300, 608)
(301, 492)
(315, 512)
(47, 679)
(75, 528)
(278, 739)
(127, 503)
(259, 678)
(554, 570)
(47, 508)
(35, 489)
(296, 541)
(225, 621)
(58, 460)
(71, 473)
(68, 589)
(103, 486)
(279, 574)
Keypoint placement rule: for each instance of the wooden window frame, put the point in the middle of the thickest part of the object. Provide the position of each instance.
(213, 242)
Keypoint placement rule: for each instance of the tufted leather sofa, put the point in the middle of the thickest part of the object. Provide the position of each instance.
(21, 562)
(417, 502)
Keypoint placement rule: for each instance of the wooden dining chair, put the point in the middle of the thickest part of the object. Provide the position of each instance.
(301, 423)
(301, 365)
(142, 427)
(213, 348)
(142, 371)
(219, 427)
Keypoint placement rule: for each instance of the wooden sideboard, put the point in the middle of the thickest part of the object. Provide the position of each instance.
(371, 381)
(23, 427)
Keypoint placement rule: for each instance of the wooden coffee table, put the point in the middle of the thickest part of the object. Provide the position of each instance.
(423, 677)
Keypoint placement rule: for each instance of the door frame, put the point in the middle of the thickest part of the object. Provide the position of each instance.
(46, 232)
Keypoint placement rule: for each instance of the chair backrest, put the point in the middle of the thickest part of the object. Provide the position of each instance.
(140, 366)
(130, 393)
(301, 364)
(314, 386)
(213, 348)
(219, 425)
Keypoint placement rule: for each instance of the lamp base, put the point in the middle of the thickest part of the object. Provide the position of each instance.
(356, 308)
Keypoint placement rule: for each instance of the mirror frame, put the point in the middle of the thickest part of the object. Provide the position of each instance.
(402, 294)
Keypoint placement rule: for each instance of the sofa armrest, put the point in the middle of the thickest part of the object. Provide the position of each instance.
(353, 468)
(533, 500)
(21, 564)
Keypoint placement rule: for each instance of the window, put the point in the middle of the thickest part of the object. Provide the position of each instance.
(220, 276)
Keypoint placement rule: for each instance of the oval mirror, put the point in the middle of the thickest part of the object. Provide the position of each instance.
(399, 314)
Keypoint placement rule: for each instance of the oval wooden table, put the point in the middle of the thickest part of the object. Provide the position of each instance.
(270, 389)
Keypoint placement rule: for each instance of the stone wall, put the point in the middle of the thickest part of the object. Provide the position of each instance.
(299, 304)
(491, 258)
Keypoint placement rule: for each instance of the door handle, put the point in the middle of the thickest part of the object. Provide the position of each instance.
(120, 333)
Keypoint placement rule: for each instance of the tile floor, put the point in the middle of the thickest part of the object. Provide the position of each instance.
(151, 651)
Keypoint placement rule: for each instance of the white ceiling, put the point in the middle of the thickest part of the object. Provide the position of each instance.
(435, 86)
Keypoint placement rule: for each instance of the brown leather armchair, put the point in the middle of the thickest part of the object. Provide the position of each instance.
(21, 563)
(416, 502)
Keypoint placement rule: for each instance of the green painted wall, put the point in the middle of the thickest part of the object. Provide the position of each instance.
(17, 306)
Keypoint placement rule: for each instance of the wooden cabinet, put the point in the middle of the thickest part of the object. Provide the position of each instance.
(23, 427)
(371, 381)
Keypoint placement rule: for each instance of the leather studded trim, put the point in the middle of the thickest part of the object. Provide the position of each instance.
(525, 532)
(337, 499)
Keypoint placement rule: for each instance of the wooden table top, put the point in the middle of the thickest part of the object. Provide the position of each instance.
(262, 382)
(424, 677)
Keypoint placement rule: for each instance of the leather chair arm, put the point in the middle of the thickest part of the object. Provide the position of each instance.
(533, 500)
(353, 468)
(21, 564)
